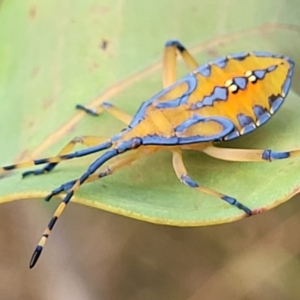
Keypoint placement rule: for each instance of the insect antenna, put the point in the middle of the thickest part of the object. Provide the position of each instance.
(119, 149)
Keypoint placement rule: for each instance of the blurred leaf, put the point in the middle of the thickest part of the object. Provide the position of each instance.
(55, 60)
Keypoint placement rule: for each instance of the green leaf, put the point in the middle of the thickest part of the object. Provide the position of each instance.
(54, 60)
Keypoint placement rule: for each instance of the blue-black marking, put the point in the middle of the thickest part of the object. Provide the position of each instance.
(239, 56)
(52, 222)
(260, 74)
(228, 126)
(273, 155)
(188, 181)
(239, 205)
(131, 144)
(159, 140)
(248, 128)
(8, 168)
(264, 118)
(218, 94)
(220, 62)
(272, 68)
(199, 139)
(169, 104)
(175, 43)
(50, 166)
(102, 159)
(191, 82)
(266, 155)
(63, 188)
(204, 70)
(189, 122)
(68, 197)
(233, 135)
(244, 120)
(40, 161)
(262, 115)
(84, 177)
(276, 103)
(106, 104)
(258, 110)
(87, 110)
(35, 256)
(87, 151)
(139, 116)
(241, 82)
(279, 155)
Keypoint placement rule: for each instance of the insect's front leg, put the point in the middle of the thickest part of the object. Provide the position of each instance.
(110, 108)
(169, 61)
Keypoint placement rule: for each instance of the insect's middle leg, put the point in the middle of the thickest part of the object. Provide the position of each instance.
(169, 61)
(88, 141)
(183, 176)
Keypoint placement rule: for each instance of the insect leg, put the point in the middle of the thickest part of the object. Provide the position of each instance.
(183, 176)
(116, 165)
(249, 154)
(169, 61)
(110, 108)
(88, 141)
(99, 145)
(121, 148)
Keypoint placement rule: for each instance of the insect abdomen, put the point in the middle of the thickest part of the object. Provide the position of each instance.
(247, 89)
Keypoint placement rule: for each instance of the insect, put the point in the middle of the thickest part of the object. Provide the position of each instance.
(218, 101)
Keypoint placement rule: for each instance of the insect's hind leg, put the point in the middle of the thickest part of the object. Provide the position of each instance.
(183, 176)
(169, 61)
(248, 155)
(98, 143)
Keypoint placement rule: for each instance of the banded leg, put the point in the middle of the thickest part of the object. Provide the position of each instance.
(98, 143)
(117, 164)
(169, 77)
(88, 141)
(248, 155)
(169, 61)
(110, 108)
(183, 176)
(125, 146)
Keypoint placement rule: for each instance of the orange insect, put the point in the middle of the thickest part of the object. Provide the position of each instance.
(219, 101)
